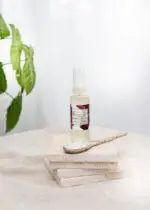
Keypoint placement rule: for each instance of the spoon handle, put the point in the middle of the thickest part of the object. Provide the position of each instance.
(106, 140)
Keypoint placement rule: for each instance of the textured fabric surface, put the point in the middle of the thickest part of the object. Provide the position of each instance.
(26, 184)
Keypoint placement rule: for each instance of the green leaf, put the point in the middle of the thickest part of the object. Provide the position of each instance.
(19, 78)
(15, 53)
(28, 72)
(13, 113)
(3, 81)
(4, 31)
(16, 49)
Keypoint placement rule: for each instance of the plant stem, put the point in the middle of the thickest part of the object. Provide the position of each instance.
(8, 63)
(8, 94)
(6, 38)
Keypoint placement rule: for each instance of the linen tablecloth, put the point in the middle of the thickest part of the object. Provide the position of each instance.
(26, 185)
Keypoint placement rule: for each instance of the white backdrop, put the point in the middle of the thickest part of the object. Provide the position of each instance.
(109, 39)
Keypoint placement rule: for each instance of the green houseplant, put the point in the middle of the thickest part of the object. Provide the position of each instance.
(25, 74)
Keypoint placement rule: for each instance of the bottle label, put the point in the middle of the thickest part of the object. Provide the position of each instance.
(79, 117)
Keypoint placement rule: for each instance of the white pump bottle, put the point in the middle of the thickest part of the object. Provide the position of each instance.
(79, 108)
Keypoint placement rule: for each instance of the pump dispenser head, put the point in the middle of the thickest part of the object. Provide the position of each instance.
(79, 86)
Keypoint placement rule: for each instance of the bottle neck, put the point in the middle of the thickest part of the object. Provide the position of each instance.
(79, 90)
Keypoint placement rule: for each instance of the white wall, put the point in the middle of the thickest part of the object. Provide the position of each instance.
(109, 39)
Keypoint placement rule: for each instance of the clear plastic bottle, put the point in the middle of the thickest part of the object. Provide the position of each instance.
(79, 108)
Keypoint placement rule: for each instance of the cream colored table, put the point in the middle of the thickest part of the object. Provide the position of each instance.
(26, 185)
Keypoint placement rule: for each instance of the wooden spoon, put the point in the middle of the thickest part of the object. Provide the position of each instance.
(79, 147)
